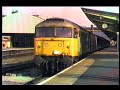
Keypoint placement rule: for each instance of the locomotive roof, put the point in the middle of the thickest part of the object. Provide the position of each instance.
(57, 21)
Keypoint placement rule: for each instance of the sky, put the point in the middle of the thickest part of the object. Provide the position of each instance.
(7, 9)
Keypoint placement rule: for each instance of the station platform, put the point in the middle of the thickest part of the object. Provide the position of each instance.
(100, 68)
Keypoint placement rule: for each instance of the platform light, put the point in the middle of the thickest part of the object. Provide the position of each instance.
(104, 25)
(101, 17)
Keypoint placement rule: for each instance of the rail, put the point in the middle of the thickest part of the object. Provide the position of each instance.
(16, 52)
(13, 67)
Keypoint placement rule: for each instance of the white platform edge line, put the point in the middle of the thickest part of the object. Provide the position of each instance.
(63, 70)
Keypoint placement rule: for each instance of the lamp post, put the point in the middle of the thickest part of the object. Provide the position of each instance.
(118, 41)
(91, 37)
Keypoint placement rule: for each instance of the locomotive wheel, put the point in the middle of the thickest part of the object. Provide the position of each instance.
(60, 66)
(43, 69)
(53, 67)
(38, 61)
(76, 60)
(67, 61)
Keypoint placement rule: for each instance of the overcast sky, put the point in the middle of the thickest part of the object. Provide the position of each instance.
(6, 10)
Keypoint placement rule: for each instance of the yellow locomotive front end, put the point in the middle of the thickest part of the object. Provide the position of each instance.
(55, 44)
(56, 47)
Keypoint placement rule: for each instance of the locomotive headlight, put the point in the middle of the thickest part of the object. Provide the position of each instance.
(56, 52)
(39, 43)
(46, 44)
(59, 44)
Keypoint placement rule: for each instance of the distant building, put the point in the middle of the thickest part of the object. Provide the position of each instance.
(20, 27)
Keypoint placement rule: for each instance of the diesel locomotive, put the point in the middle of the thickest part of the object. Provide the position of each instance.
(59, 43)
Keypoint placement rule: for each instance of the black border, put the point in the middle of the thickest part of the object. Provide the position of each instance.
(60, 3)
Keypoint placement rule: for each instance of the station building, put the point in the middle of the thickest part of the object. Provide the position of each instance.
(18, 30)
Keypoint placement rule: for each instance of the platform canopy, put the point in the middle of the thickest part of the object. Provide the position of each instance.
(106, 21)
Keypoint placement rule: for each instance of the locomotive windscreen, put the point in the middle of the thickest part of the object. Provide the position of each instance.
(54, 32)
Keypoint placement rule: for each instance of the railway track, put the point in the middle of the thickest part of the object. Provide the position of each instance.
(24, 73)
(22, 76)
(19, 69)
(19, 74)
(16, 53)
(18, 66)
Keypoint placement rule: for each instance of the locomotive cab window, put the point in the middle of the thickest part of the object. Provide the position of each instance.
(44, 32)
(57, 32)
(63, 32)
(76, 33)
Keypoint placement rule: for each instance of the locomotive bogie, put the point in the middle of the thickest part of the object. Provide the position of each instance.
(53, 64)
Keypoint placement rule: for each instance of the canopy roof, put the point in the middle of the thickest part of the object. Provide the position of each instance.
(106, 21)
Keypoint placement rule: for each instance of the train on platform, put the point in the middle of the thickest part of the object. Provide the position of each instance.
(59, 43)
